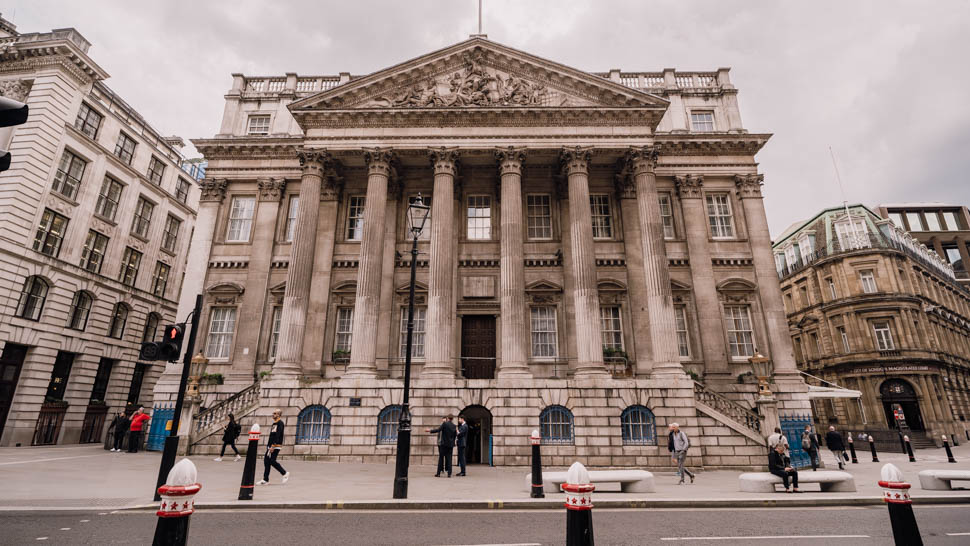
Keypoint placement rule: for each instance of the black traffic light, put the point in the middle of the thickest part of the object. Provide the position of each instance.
(12, 113)
(171, 345)
(149, 351)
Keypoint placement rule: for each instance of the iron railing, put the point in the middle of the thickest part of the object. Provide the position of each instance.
(732, 409)
(216, 416)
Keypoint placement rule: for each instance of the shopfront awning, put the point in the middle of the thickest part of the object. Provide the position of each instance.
(815, 393)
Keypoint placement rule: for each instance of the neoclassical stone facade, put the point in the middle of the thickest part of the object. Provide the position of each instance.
(592, 238)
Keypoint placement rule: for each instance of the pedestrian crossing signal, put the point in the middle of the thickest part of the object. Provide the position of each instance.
(171, 345)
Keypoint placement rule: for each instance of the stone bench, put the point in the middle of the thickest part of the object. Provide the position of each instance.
(828, 480)
(941, 480)
(631, 481)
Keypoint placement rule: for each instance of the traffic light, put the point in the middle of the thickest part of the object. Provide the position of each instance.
(171, 345)
(11, 113)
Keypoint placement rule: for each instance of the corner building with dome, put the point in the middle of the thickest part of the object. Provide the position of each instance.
(596, 263)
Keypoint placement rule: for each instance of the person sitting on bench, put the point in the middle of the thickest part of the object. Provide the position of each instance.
(779, 465)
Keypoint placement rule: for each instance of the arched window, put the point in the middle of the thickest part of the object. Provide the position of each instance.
(638, 427)
(387, 423)
(151, 327)
(80, 309)
(556, 425)
(313, 425)
(32, 298)
(119, 318)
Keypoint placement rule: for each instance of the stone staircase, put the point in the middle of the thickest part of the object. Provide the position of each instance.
(728, 412)
(210, 422)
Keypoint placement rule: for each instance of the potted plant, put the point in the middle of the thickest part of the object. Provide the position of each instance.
(212, 379)
(341, 355)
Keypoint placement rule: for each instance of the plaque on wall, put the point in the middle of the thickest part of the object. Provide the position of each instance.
(355, 402)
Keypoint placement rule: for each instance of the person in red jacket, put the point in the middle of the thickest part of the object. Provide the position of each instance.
(138, 421)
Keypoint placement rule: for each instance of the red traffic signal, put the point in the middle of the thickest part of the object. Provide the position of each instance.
(171, 345)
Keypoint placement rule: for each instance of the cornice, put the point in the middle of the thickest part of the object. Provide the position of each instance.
(480, 117)
(249, 148)
(31, 55)
(711, 143)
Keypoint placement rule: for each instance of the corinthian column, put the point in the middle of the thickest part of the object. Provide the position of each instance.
(438, 339)
(589, 339)
(299, 274)
(363, 349)
(512, 268)
(660, 304)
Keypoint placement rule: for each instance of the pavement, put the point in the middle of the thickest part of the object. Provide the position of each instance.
(88, 477)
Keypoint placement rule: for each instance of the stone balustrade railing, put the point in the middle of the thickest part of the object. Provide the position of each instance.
(730, 408)
(215, 417)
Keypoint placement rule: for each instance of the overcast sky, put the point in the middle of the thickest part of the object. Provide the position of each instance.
(885, 84)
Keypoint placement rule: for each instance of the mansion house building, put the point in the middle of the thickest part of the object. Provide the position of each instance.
(596, 263)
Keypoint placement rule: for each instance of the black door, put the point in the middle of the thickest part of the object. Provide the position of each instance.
(11, 361)
(479, 421)
(478, 346)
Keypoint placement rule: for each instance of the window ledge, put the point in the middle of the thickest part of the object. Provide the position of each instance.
(167, 251)
(141, 238)
(65, 198)
(105, 219)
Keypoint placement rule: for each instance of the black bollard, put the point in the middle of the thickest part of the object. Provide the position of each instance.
(909, 449)
(896, 494)
(902, 441)
(249, 469)
(855, 460)
(872, 448)
(579, 506)
(537, 486)
(949, 452)
(953, 438)
(967, 432)
(178, 503)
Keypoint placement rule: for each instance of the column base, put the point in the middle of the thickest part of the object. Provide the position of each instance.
(667, 370)
(437, 370)
(514, 372)
(592, 370)
(286, 369)
(361, 369)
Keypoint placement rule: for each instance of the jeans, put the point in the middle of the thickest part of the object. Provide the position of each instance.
(461, 458)
(230, 443)
(269, 460)
(813, 455)
(681, 471)
(134, 441)
(784, 477)
(444, 459)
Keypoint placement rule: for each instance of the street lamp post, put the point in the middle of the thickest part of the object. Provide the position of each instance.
(417, 216)
(761, 366)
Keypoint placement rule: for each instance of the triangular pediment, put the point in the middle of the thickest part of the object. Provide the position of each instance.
(478, 74)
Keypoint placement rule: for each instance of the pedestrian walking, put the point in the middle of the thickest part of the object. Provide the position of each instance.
(780, 465)
(273, 444)
(670, 445)
(135, 429)
(229, 435)
(446, 444)
(777, 438)
(462, 443)
(119, 429)
(834, 442)
(810, 444)
(681, 445)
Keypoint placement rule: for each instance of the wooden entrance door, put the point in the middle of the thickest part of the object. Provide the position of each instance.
(478, 346)
(10, 363)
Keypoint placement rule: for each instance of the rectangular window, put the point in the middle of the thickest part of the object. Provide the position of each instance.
(355, 218)
(80, 310)
(258, 125)
(832, 292)
(125, 148)
(222, 324)
(92, 256)
(88, 121)
(897, 219)
(806, 247)
(779, 261)
(50, 233)
(108, 198)
(129, 266)
(853, 234)
(345, 329)
(702, 122)
(884, 336)
(142, 221)
(155, 170)
(683, 336)
(544, 339)
(100, 388)
(160, 279)
(915, 221)
(417, 337)
(611, 327)
(950, 219)
(59, 376)
(933, 221)
(719, 216)
(426, 228)
(290, 226)
(539, 215)
(274, 336)
(868, 281)
(171, 235)
(479, 217)
(815, 345)
(599, 206)
(740, 335)
(844, 336)
(952, 253)
(137, 378)
(67, 180)
(667, 216)
(240, 219)
(182, 190)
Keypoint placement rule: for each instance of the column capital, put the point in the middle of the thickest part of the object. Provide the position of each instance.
(575, 160)
(270, 189)
(213, 189)
(444, 160)
(749, 185)
(640, 159)
(314, 160)
(626, 187)
(510, 160)
(689, 186)
(380, 161)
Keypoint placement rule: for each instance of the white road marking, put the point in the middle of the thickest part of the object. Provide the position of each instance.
(102, 513)
(65, 528)
(41, 538)
(958, 534)
(764, 537)
(85, 520)
(52, 459)
(502, 544)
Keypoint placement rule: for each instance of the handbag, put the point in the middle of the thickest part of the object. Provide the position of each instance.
(845, 456)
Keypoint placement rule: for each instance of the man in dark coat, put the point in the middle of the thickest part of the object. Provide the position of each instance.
(446, 444)
(462, 443)
(119, 427)
(834, 440)
(778, 464)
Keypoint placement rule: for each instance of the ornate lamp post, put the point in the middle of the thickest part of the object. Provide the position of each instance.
(761, 366)
(417, 216)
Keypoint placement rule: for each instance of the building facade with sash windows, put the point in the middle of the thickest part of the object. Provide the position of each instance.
(596, 242)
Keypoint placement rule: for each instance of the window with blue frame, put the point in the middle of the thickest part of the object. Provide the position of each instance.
(313, 425)
(638, 427)
(387, 423)
(556, 425)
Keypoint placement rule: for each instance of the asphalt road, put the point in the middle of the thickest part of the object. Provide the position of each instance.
(831, 526)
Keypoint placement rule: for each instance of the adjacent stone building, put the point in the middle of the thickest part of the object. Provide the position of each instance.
(941, 227)
(593, 239)
(95, 221)
(873, 309)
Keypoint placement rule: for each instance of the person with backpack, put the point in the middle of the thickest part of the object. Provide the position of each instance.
(834, 441)
(810, 445)
(229, 435)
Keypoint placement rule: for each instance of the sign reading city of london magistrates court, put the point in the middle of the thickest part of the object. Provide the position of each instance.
(893, 369)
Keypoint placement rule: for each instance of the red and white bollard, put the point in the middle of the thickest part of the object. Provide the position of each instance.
(178, 503)
(537, 487)
(249, 468)
(579, 506)
(896, 494)
(949, 452)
